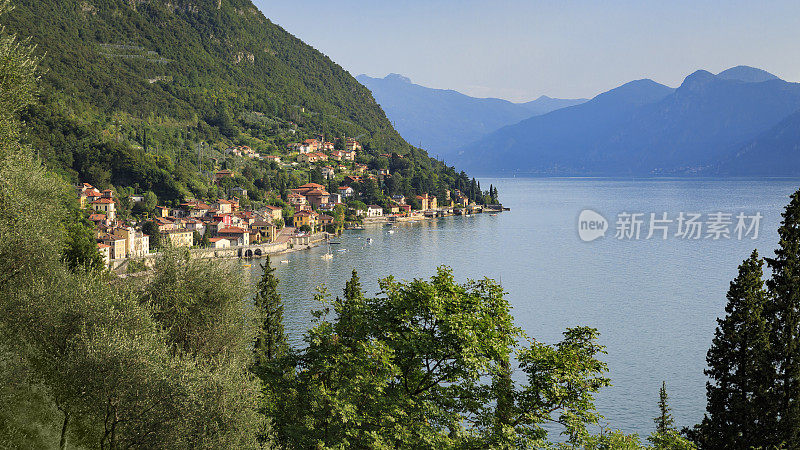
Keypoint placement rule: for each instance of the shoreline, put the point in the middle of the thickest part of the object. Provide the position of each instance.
(293, 244)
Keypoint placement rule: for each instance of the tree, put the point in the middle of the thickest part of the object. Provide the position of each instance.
(666, 436)
(664, 421)
(740, 412)
(270, 342)
(783, 314)
(426, 365)
(150, 228)
(80, 251)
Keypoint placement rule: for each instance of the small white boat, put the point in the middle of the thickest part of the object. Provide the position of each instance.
(390, 231)
(285, 261)
(369, 240)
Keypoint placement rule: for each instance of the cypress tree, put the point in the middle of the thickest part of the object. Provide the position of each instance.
(740, 414)
(784, 315)
(349, 310)
(271, 341)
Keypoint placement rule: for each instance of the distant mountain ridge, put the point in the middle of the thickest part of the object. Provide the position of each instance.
(711, 124)
(443, 120)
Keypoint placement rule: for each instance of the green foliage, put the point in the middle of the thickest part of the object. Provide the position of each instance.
(784, 324)
(270, 343)
(426, 365)
(80, 250)
(739, 396)
(148, 95)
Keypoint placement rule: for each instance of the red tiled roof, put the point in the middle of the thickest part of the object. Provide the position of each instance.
(103, 200)
(231, 230)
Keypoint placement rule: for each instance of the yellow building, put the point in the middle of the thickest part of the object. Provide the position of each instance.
(305, 218)
(178, 238)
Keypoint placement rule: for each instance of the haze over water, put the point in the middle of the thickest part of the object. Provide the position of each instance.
(654, 301)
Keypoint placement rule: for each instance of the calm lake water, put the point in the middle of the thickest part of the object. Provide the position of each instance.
(654, 301)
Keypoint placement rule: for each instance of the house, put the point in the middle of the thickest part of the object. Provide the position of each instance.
(106, 206)
(178, 238)
(383, 172)
(327, 171)
(352, 145)
(427, 202)
(328, 146)
(193, 225)
(305, 218)
(224, 173)
(273, 212)
(195, 209)
(374, 211)
(399, 199)
(348, 155)
(350, 180)
(162, 211)
(223, 206)
(267, 229)
(317, 197)
(236, 235)
(105, 252)
(336, 155)
(219, 242)
(137, 244)
(164, 224)
(346, 191)
(275, 158)
(359, 168)
(309, 146)
(325, 220)
(404, 208)
(312, 157)
(117, 245)
(306, 188)
(99, 220)
(296, 199)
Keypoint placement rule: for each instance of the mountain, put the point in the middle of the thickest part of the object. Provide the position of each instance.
(545, 104)
(557, 142)
(148, 94)
(646, 131)
(747, 74)
(444, 120)
(774, 153)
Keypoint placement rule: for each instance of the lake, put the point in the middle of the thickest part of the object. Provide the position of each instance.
(654, 300)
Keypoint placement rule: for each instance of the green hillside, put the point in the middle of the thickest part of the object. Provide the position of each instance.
(131, 88)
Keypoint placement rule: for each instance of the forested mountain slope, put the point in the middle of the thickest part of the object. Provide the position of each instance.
(131, 87)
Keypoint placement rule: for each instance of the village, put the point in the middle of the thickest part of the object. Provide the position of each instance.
(223, 227)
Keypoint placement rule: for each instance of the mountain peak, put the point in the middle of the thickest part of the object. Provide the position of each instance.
(747, 74)
(397, 77)
(697, 79)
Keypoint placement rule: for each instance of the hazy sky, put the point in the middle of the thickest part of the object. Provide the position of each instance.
(519, 50)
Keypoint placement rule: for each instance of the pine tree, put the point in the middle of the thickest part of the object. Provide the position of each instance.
(784, 316)
(271, 341)
(666, 436)
(739, 412)
(664, 421)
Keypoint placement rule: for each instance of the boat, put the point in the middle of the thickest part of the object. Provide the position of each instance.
(285, 261)
(328, 255)
(493, 214)
(369, 240)
(390, 231)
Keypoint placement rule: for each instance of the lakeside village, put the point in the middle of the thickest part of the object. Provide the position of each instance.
(225, 228)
